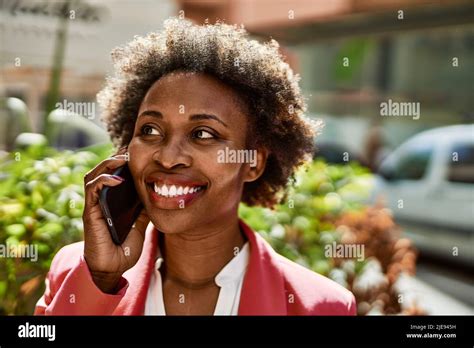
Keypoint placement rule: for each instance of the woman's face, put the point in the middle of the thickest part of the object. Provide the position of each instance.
(184, 125)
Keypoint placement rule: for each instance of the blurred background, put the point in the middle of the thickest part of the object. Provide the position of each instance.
(400, 182)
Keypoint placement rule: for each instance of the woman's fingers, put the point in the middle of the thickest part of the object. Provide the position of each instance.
(94, 186)
(141, 223)
(106, 167)
(121, 151)
(134, 240)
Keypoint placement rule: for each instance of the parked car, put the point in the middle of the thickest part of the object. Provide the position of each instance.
(428, 183)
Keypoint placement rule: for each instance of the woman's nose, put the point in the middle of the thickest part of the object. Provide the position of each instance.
(172, 153)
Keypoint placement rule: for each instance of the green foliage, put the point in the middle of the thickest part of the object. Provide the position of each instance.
(300, 228)
(41, 203)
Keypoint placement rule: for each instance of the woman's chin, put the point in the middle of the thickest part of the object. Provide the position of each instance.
(171, 222)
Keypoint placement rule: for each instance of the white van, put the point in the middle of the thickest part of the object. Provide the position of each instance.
(428, 183)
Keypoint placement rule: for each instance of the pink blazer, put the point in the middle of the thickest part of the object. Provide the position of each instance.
(273, 285)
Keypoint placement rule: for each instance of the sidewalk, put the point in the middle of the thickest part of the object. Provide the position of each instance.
(433, 301)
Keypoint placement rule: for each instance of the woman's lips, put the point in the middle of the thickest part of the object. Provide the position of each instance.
(172, 190)
(174, 195)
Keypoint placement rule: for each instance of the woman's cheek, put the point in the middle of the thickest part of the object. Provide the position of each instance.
(228, 178)
(137, 160)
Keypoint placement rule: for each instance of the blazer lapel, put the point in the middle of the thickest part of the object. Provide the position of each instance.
(139, 276)
(263, 291)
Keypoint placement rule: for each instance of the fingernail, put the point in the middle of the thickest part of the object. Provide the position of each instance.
(118, 177)
(119, 157)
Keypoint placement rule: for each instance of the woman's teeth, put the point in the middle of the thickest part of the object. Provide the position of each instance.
(174, 191)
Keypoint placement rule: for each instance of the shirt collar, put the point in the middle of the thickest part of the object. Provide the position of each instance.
(231, 272)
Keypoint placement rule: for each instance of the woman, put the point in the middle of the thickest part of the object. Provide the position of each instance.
(206, 119)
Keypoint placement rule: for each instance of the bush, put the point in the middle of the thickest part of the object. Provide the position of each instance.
(300, 228)
(326, 208)
(41, 205)
(388, 254)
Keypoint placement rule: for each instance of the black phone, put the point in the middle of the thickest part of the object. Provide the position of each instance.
(120, 205)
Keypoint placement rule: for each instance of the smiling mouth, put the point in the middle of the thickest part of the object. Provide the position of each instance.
(170, 191)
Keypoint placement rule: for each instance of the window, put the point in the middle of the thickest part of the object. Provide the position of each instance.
(461, 165)
(413, 164)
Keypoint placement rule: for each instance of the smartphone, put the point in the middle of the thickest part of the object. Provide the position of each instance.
(120, 205)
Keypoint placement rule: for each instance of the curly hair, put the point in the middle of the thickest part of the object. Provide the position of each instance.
(257, 72)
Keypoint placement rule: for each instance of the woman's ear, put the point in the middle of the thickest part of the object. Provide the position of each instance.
(257, 166)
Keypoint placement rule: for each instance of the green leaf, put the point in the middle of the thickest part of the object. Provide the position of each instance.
(16, 230)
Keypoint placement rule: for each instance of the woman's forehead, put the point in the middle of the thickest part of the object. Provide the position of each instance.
(192, 91)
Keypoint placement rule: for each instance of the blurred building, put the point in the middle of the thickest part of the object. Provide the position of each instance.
(28, 31)
(354, 54)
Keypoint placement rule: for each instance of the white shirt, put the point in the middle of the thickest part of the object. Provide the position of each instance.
(229, 279)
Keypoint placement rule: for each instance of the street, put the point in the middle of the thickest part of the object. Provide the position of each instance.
(453, 280)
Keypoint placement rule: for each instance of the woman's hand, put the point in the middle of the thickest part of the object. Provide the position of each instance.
(106, 260)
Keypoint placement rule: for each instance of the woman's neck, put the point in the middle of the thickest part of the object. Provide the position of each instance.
(192, 260)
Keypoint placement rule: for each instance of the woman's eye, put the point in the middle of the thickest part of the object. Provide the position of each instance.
(149, 130)
(202, 134)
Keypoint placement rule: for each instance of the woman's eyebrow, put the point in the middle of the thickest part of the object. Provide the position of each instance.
(206, 117)
(151, 113)
(195, 117)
